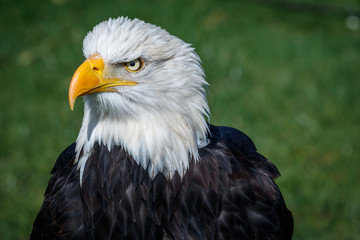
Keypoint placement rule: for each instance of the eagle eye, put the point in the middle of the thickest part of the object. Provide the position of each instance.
(134, 65)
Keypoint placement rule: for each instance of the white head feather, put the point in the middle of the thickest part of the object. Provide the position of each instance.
(160, 121)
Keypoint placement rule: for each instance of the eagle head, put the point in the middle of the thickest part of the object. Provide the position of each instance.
(144, 90)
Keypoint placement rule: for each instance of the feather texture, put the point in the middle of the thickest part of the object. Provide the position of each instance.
(228, 194)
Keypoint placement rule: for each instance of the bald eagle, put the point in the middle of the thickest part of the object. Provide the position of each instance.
(146, 163)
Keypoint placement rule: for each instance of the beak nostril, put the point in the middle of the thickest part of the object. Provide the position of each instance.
(95, 69)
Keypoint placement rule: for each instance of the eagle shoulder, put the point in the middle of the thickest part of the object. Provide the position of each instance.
(67, 155)
(253, 206)
(60, 216)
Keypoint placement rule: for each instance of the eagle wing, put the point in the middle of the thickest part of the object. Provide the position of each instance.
(253, 205)
(60, 216)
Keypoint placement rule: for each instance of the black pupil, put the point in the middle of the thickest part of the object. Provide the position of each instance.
(132, 63)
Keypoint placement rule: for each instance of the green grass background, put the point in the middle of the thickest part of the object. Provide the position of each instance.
(288, 78)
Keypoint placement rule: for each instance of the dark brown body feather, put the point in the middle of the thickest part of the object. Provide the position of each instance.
(228, 194)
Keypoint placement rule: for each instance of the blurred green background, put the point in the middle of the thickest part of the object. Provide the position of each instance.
(287, 74)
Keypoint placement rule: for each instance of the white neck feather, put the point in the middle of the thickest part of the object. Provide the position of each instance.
(163, 144)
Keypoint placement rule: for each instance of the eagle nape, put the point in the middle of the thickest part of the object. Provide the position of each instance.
(146, 163)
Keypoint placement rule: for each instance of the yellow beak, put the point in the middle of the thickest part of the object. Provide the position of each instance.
(88, 79)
